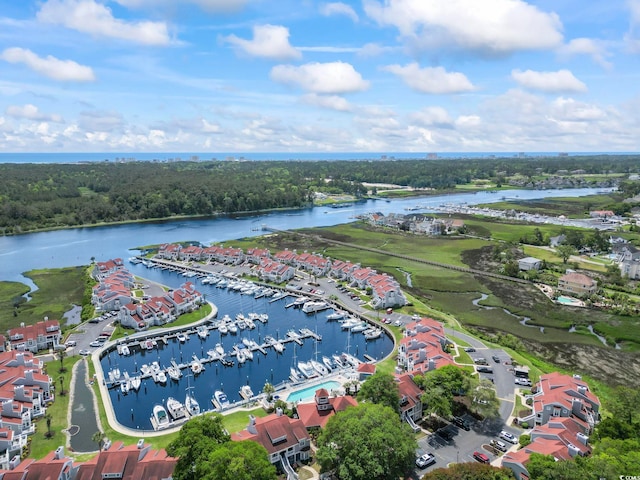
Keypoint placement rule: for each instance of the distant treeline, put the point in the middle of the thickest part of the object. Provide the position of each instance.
(36, 196)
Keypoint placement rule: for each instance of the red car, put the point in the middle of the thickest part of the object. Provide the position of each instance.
(481, 457)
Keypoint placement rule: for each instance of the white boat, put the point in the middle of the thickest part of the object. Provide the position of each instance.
(300, 301)
(160, 417)
(372, 335)
(203, 332)
(135, 383)
(318, 367)
(174, 372)
(114, 374)
(307, 369)
(125, 386)
(246, 392)
(328, 363)
(349, 323)
(233, 328)
(182, 337)
(350, 360)
(277, 346)
(314, 306)
(124, 350)
(219, 349)
(293, 335)
(295, 376)
(145, 369)
(175, 408)
(160, 377)
(223, 329)
(196, 365)
(250, 323)
(361, 327)
(191, 405)
(337, 315)
(220, 399)
(240, 356)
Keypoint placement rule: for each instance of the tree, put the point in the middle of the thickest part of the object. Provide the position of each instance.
(268, 390)
(469, 471)
(48, 418)
(245, 460)
(366, 442)
(197, 438)
(381, 388)
(485, 402)
(438, 401)
(62, 392)
(565, 251)
(62, 354)
(98, 438)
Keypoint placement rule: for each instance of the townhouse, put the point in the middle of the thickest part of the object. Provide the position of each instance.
(169, 251)
(410, 402)
(565, 413)
(285, 439)
(104, 269)
(316, 265)
(190, 253)
(342, 270)
(274, 271)
(41, 336)
(423, 347)
(316, 414)
(256, 255)
(385, 291)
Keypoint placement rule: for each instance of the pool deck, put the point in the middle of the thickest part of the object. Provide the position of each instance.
(550, 292)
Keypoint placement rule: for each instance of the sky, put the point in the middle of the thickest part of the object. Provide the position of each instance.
(316, 76)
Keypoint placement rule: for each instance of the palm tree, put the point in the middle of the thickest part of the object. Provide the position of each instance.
(48, 418)
(62, 392)
(98, 438)
(62, 353)
(269, 390)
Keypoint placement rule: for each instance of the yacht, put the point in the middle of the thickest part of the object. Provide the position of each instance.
(318, 367)
(191, 405)
(203, 332)
(314, 306)
(125, 386)
(174, 372)
(135, 383)
(219, 349)
(246, 392)
(160, 417)
(223, 329)
(373, 334)
(328, 363)
(294, 375)
(337, 315)
(182, 337)
(349, 323)
(361, 327)
(159, 377)
(233, 328)
(196, 365)
(307, 369)
(220, 400)
(240, 356)
(175, 408)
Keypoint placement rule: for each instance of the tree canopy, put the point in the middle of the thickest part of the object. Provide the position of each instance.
(366, 442)
(245, 460)
(469, 471)
(381, 388)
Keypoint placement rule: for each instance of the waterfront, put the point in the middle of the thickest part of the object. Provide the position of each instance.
(77, 246)
(134, 409)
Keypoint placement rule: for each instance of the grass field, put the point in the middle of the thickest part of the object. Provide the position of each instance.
(574, 207)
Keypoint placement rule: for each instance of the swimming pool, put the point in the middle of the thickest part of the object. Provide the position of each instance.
(309, 392)
(569, 301)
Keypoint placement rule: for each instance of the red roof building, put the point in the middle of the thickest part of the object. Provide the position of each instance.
(33, 338)
(318, 412)
(423, 347)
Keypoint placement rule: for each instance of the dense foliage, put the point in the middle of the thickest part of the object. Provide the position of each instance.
(469, 471)
(34, 196)
(365, 442)
(381, 388)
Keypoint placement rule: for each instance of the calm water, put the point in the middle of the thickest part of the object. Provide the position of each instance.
(77, 246)
(134, 409)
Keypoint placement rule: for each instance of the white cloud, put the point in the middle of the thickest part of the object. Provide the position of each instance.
(338, 8)
(468, 121)
(572, 110)
(550, 82)
(329, 78)
(434, 80)
(88, 16)
(332, 102)
(52, 67)
(374, 50)
(432, 117)
(208, 5)
(100, 121)
(31, 112)
(269, 41)
(493, 27)
(631, 37)
(586, 46)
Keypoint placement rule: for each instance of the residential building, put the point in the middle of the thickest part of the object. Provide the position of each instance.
(410, 403)
(316, 265)
(285, 439)
(274, 271)
(41, 336)
(423, 347)
(104, 269)
(529, 263)
(190, 253)
(317, 413)
(386, 292)
(577, 284)
(169, 251)
(256, 255)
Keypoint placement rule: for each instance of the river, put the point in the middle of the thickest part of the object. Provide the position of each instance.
(76, 246)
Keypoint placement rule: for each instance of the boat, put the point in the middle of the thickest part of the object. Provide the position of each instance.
(114, 374)
(337, 315)
(240, 356)
(219, 349)
(203, 332)
(145, 369)
(361, 327)
(294, 375)
(175, 409)
(196, 365)
(233, 328)
(337, 360)
(125, 386)
(314, 306)
(372, 335)
(318, 367)
(159, 377)
(307, 369)
(250, 323)
(350, 360)
(293, 335)
(223, 329)
(135, 383)
(276, 344)
(135, 260)
(160, 417)
(300, 301)
(190, 403)
(349, 323)
(182, 337)
(174, 372)
(220, 400)
(148, 344)
(246, 392)
(124, 350)
(328, 363)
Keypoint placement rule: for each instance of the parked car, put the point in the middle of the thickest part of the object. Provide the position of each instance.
(480, 361)
(485, 369)
(481, 457)
(461, 422)
(425, 460)
(70, 343)
(96, 343)
(469, 349)
(84, 352)
(525, 382)
(498, 445)
(496, 358)
(509, 437)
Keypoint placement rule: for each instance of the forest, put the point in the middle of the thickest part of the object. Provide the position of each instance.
(44, 196)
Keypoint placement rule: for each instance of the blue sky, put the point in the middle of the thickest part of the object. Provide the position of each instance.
(315, 76)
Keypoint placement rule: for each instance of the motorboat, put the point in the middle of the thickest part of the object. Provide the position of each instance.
(160, 417)
(124, 350)
(114, 374)
(145, 369)
(328, 363)
(294, 375)
(191, 405)
(307, 369)
(337, 315)
(361, 327)
(219, 349)
(318, 367)
(148, 344)
(159, 377)
(125, 386)
(337, 360)
(203, 332)
(349, 323)
(373, 334)
(233, 328)
(246, 392)
(182, 337)
(240, 356)
(223, 329)
(174, 372)
(314, 306)
(135, 383)
(196, 365)
(220, 400)
(175, 409)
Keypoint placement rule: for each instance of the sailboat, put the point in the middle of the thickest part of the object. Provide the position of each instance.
(190, 403)
(294, 373)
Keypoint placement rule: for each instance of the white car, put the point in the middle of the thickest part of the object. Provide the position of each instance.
(509, 437)
(525, 382)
